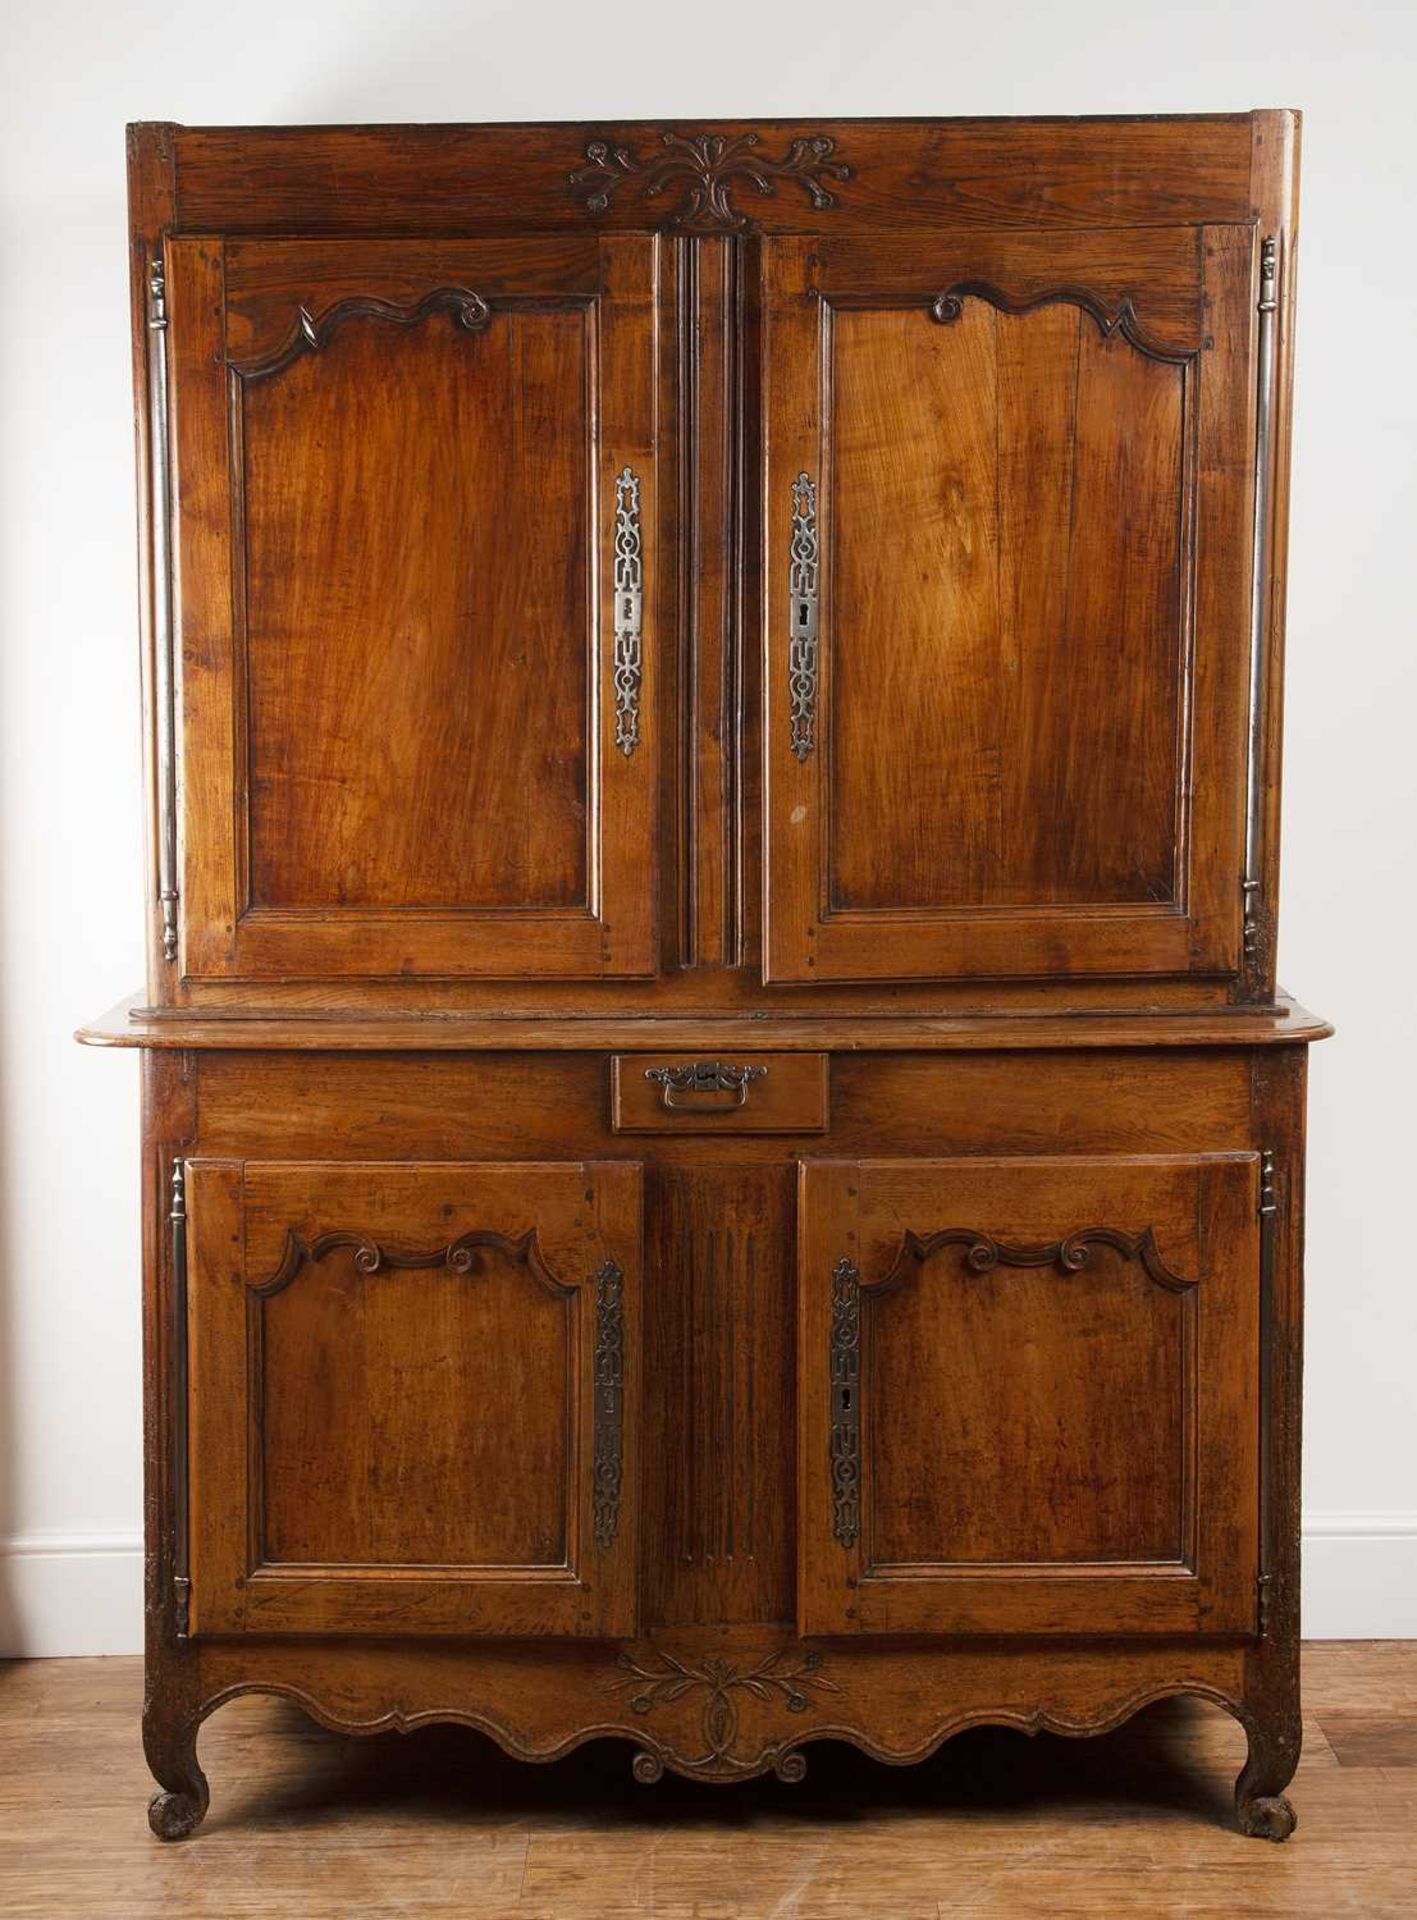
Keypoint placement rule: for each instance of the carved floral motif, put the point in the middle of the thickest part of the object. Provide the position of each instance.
(787, 1674)
(704, 164)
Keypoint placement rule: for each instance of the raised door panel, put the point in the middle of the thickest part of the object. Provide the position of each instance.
(414, 498)
(414, 1397)
(1008, 520)
(1028, 1396)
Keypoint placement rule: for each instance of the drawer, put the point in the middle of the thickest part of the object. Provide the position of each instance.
(732, 1093)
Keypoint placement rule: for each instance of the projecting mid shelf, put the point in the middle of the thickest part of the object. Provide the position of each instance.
(132, 1024)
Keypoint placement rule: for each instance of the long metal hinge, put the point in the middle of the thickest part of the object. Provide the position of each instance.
(1268, 1210)
(1250, 880)
(181, 1533)
(164, 665)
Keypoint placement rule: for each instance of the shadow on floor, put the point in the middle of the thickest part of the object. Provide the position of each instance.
(1178, 1755)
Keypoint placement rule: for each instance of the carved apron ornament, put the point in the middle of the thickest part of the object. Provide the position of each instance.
(788, 1675)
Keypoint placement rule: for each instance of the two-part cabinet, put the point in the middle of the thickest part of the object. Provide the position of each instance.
(723, 1163)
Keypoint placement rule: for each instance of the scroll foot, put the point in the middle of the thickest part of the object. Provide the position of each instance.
(171, 1746)
(1260, 1806)
(172, 1816)
(1267, 1817)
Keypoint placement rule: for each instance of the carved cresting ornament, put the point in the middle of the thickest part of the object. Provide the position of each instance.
(465, 1255)
(1120, 320)
(311, 333)
(702, 166)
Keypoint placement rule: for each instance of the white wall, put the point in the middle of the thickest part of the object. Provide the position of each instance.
(70, 879)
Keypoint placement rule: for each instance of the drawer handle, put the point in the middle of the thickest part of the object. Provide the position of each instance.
(694, 1086)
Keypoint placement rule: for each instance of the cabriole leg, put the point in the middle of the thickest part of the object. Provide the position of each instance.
(1260, 1803)
(170, 1742)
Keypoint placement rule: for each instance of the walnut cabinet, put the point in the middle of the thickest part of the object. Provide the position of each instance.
(723, 1159)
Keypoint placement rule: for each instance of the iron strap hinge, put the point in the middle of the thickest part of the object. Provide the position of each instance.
(1267, 306)
(164, 661)
(1267, 1207)
(177, 1413)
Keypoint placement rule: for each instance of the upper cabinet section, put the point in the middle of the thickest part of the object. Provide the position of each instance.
(412, 487)
(611, 566)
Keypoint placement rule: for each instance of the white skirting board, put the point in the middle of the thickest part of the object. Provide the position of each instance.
(77, 1593)
(71, 1593)
(1360, 1576)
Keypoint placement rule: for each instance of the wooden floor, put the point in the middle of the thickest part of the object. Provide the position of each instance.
(305, 1824)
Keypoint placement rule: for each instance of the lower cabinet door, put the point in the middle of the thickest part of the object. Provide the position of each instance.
(413, 1397)
(1028, 1396)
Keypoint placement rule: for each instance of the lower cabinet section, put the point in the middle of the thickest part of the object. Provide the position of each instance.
(723, 1444)
(1027, 1396)
(414, 1395)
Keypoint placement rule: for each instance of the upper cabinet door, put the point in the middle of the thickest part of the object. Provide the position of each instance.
(1009, 522)
(413, 488)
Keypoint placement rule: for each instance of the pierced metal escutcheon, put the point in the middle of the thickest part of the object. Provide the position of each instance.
(700, 1081)
(629, 608)
(846, 1401)
(802, 617)
(609, 1399)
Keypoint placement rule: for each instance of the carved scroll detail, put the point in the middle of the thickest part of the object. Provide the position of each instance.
(983, 1253)
(788, 1674)
(629, 609)
(462, 1255)
(846, 1402)
(310, 334)
(948, 306)
(705, 164)
(609, 1399)
(805, 560)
